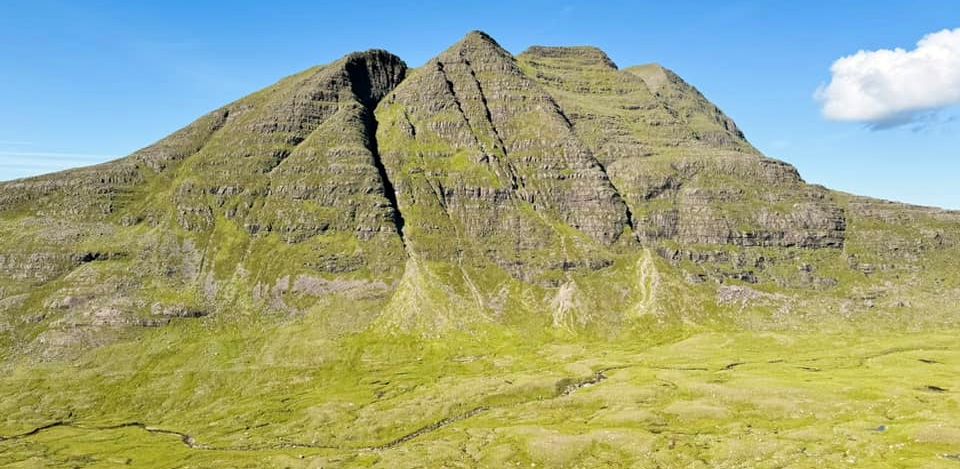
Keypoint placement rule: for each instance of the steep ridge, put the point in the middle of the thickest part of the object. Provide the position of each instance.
(685, 169)
(303, 161)
(474, 101)
(500, 197)
(265, 204)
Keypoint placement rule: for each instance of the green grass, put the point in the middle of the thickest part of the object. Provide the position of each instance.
(284, 397)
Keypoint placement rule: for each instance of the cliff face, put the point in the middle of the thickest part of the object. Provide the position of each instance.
(551, 189)
(486, 162)
(683, 167)
(248, 208)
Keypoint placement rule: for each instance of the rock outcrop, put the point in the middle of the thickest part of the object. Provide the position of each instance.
(486, 162)
(684, 168)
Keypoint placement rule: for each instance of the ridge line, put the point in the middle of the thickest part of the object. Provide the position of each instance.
(505, 165)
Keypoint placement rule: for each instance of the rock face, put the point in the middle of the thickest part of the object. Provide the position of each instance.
(286, 181)
(684, 168)
(486, 162)
(550, 189)
(298, 159)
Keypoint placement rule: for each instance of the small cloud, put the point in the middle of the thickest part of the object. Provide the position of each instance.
(890, 88)
(14, 143)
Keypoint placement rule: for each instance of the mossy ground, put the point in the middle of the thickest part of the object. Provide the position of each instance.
(272, 395)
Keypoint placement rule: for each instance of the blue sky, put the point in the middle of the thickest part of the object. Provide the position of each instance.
(84, 82)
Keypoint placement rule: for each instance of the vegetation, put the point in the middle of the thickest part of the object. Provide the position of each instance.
(696, 399)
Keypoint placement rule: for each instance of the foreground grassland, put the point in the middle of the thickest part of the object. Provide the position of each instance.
(216, 396)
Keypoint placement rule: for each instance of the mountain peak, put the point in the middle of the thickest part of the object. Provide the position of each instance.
(584, 56)
(481, 37)
(373, 73)
(372, 54)
(653, 74)
(478, 44)
(441, 196)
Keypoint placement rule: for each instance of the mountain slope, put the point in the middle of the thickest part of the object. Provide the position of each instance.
(233, 213)
(492, 181)
(480, 189)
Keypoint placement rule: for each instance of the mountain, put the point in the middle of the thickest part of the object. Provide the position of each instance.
(364, 234)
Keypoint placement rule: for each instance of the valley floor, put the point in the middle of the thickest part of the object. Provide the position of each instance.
(710, 399)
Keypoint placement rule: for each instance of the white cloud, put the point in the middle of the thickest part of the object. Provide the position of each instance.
(886, 87)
